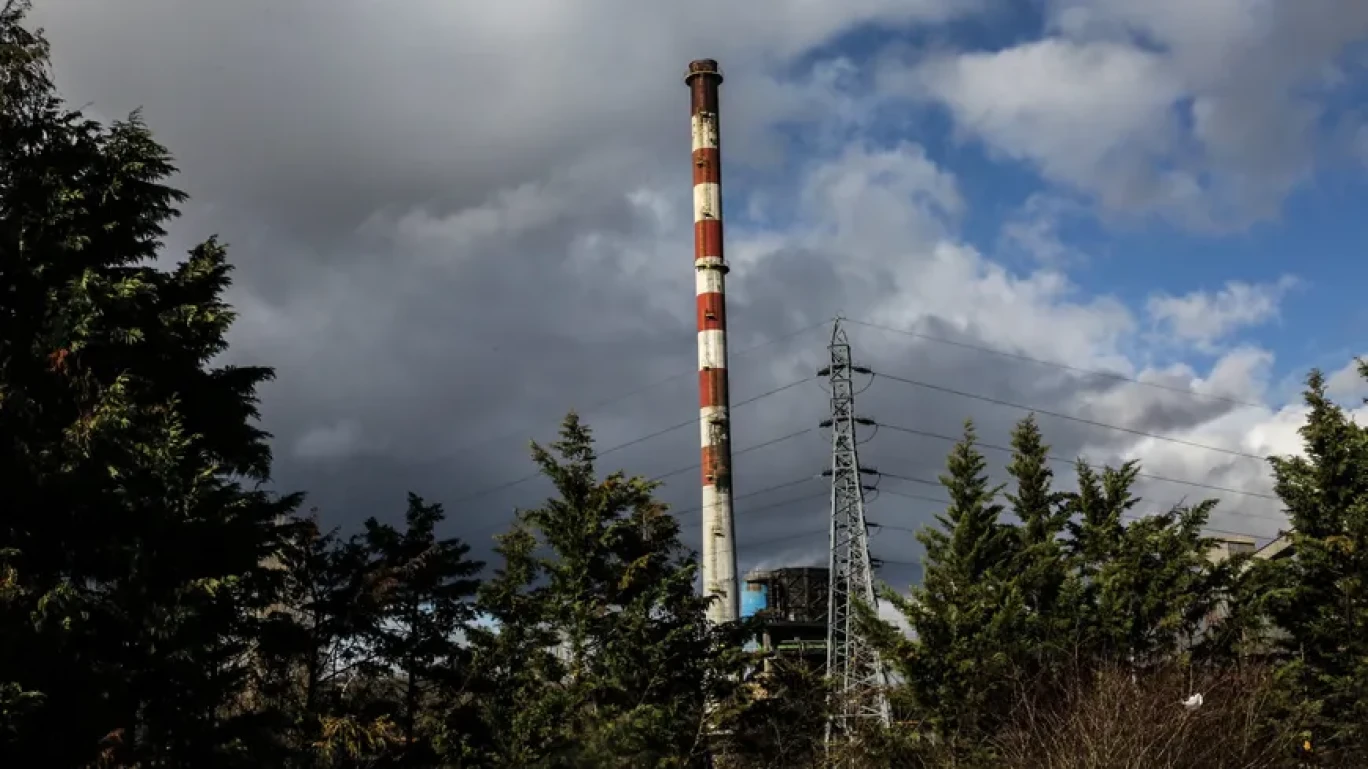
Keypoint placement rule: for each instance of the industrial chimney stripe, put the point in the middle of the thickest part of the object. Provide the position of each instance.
(719, 552)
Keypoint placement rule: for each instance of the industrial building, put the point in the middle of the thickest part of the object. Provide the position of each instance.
(791, 605)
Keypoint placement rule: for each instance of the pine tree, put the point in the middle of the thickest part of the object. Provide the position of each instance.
(297, 630)
(319, 682)
(1155, 593)
(784, 728)
(134, 552)
(424, 589)
(1096, 530)
(1321, 603)
(1139, 590)
(1041, 570)
(637, 660)
(521, 703)
(967, 614)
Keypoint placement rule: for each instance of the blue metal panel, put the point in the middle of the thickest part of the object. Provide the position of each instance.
(754, 599)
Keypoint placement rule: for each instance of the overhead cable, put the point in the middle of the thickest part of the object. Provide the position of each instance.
(1010, 450)
(692, 372)
(1069, 417)
(1058, 365)
(696, 419)
(758, 492)
(746, 450)
(537, 474)
(1131, 516)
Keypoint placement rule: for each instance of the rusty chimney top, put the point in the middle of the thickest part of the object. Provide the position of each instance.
(703, 67)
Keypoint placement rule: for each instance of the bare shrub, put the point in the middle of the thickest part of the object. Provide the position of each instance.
(1113, 719)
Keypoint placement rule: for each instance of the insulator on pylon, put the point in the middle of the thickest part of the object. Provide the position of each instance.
(866, 421)
(861, 369)
(825, 423)
(824, 371)
(870, 470)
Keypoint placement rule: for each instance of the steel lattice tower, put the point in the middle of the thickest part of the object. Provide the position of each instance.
(855, 671)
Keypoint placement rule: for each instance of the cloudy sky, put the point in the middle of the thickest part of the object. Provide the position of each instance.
(453, 221)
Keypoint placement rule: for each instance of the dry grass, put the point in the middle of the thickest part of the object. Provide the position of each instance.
(1112, 721)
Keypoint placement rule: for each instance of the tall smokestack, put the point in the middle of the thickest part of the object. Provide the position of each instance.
(710, 268)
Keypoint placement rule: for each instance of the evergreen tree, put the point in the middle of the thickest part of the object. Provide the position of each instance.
(1096, 530)
(785, 727)
(1041, 570)
(1321, 603)
(134, 554)
(522, 705)
(319, 665)
(424, 587)
(637, 660)
(323, 612)
(1160, 586)
(967, 614)
(1140, 589)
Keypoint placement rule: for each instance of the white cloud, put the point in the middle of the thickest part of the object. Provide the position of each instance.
(1034, 230)
(1347, 382)
(499, 223)
(889, 613)
(1205, 111)
(1094, 115)
(1205, 318)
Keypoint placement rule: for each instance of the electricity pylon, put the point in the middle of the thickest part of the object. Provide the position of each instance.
(854, 669)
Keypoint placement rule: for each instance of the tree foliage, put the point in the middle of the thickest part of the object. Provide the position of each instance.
(1318, 600)
(133, 546)
(158, 608)
(1030, 610)
(634, 664)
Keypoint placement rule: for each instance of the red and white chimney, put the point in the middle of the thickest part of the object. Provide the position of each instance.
(710, 269)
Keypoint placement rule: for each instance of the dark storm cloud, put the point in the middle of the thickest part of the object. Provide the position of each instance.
(452, 226)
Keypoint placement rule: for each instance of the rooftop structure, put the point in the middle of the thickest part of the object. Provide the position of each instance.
(792, 607)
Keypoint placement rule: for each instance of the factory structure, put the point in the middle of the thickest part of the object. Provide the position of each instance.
(710, 277)
(805, 614)
(792, 606)
(792, 603)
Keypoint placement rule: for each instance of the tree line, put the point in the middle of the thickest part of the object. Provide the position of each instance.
(159, 609)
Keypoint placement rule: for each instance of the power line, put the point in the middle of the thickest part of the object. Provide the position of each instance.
(1008, 449)
(746, 450)
(694, 466)
(891, 527)
(910, 479)
(1056, 364)
(937, 483)
(537, 474)
(692, 372)
(1070, 417)
(885, 561)
(758, 492)
(919, 497)
(787, 502)
(785, 538)
(695, 420)
(1132, 516)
